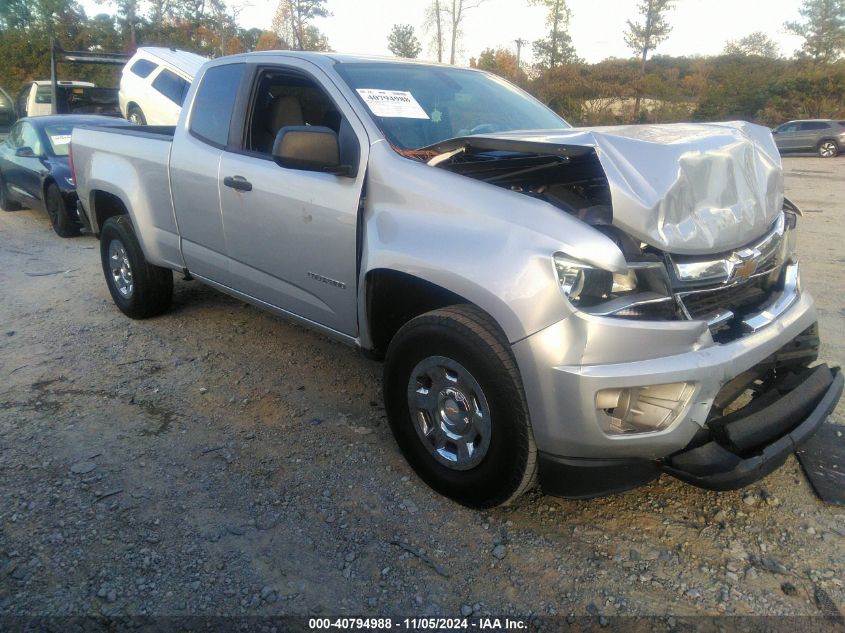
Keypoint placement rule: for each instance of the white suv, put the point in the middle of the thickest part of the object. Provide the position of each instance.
(154, 84)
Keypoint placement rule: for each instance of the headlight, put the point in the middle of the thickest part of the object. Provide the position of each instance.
(641, 292)
(585, 285)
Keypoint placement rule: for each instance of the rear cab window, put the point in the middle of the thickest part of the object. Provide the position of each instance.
(211, 113)
(171, 86)
(143, 68)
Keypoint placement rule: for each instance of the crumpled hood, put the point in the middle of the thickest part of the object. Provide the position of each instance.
(687, 188)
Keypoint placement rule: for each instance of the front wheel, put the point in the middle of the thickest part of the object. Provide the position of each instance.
(455, 403)
(60, 218)
(828, 149)
(139, 289)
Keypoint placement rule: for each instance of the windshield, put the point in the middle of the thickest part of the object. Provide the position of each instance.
(59, 136)
(417, 106)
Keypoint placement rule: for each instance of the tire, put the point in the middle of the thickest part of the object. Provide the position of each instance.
(827, 148)
(63, 224)
(138, 288)
(136, 116)
(5, 202)
(482, 383)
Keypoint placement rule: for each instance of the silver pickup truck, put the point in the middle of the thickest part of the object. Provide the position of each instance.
(590, 307)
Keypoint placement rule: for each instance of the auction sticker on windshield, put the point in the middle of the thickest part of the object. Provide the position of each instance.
(60, 139)
(398, 104)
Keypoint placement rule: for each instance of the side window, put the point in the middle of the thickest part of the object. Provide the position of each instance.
(171, 86)
(282, 98)
(211, 112)
(814, 125)
(15, 136)
(789, 127)
(44, 94)
(143, 67)
(29, 138)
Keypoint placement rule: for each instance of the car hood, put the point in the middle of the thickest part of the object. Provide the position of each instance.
(688, 188)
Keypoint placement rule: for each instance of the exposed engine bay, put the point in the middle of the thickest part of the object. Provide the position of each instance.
(576, 184)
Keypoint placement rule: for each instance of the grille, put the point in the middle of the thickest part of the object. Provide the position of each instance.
(738, 298)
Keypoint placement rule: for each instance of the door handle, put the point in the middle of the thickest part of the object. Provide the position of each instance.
(238, 182)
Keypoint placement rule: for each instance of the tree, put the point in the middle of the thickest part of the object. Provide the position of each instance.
(269, 41)
(500, 61)
(158, 11)
(456, 11)
(644, 36)
(556, 48)
(14, 15)
(292, 23)
(434, 23)
(823, 29)
(757, 43)
(402, 42)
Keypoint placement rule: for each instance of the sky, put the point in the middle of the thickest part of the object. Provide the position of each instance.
(700, 27)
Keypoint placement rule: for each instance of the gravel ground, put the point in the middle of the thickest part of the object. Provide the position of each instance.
(218, 460)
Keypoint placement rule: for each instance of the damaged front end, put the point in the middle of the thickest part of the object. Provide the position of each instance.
(698, 213)
(695, 250)
(760, 417)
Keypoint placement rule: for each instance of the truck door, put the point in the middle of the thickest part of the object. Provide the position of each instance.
(194, 169)
(291, 234)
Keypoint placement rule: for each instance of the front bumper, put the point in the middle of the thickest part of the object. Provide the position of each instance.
(754, 445)
(564, 366)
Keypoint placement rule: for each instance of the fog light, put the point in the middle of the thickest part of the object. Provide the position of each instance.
(643, 409)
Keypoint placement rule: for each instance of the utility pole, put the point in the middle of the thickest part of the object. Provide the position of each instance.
(519, 44)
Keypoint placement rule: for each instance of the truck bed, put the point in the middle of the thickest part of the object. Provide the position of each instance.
(138, 157)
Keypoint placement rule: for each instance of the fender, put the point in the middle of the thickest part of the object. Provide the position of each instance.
(491, 246)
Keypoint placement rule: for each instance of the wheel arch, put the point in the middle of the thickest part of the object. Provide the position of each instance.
(104, 205)
(389, 298)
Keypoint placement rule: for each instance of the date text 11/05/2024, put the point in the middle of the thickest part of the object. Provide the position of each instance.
(418, 624)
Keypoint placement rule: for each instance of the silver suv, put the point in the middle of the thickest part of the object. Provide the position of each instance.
(825, 136)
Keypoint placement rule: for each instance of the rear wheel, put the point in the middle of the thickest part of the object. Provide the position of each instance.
(136, 116)
(455, 404)
(60, 218)
(139, 289)
(828, 149)
(6, 203)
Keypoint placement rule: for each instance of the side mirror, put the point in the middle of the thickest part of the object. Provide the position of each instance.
(310, 148)
(24, 152)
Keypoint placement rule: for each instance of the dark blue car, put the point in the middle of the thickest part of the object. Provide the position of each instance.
(35, 168)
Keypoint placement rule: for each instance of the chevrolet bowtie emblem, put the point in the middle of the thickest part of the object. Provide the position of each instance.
(744, 264)
(745, 269)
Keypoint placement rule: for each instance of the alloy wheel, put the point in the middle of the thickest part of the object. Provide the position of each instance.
(827, 149)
